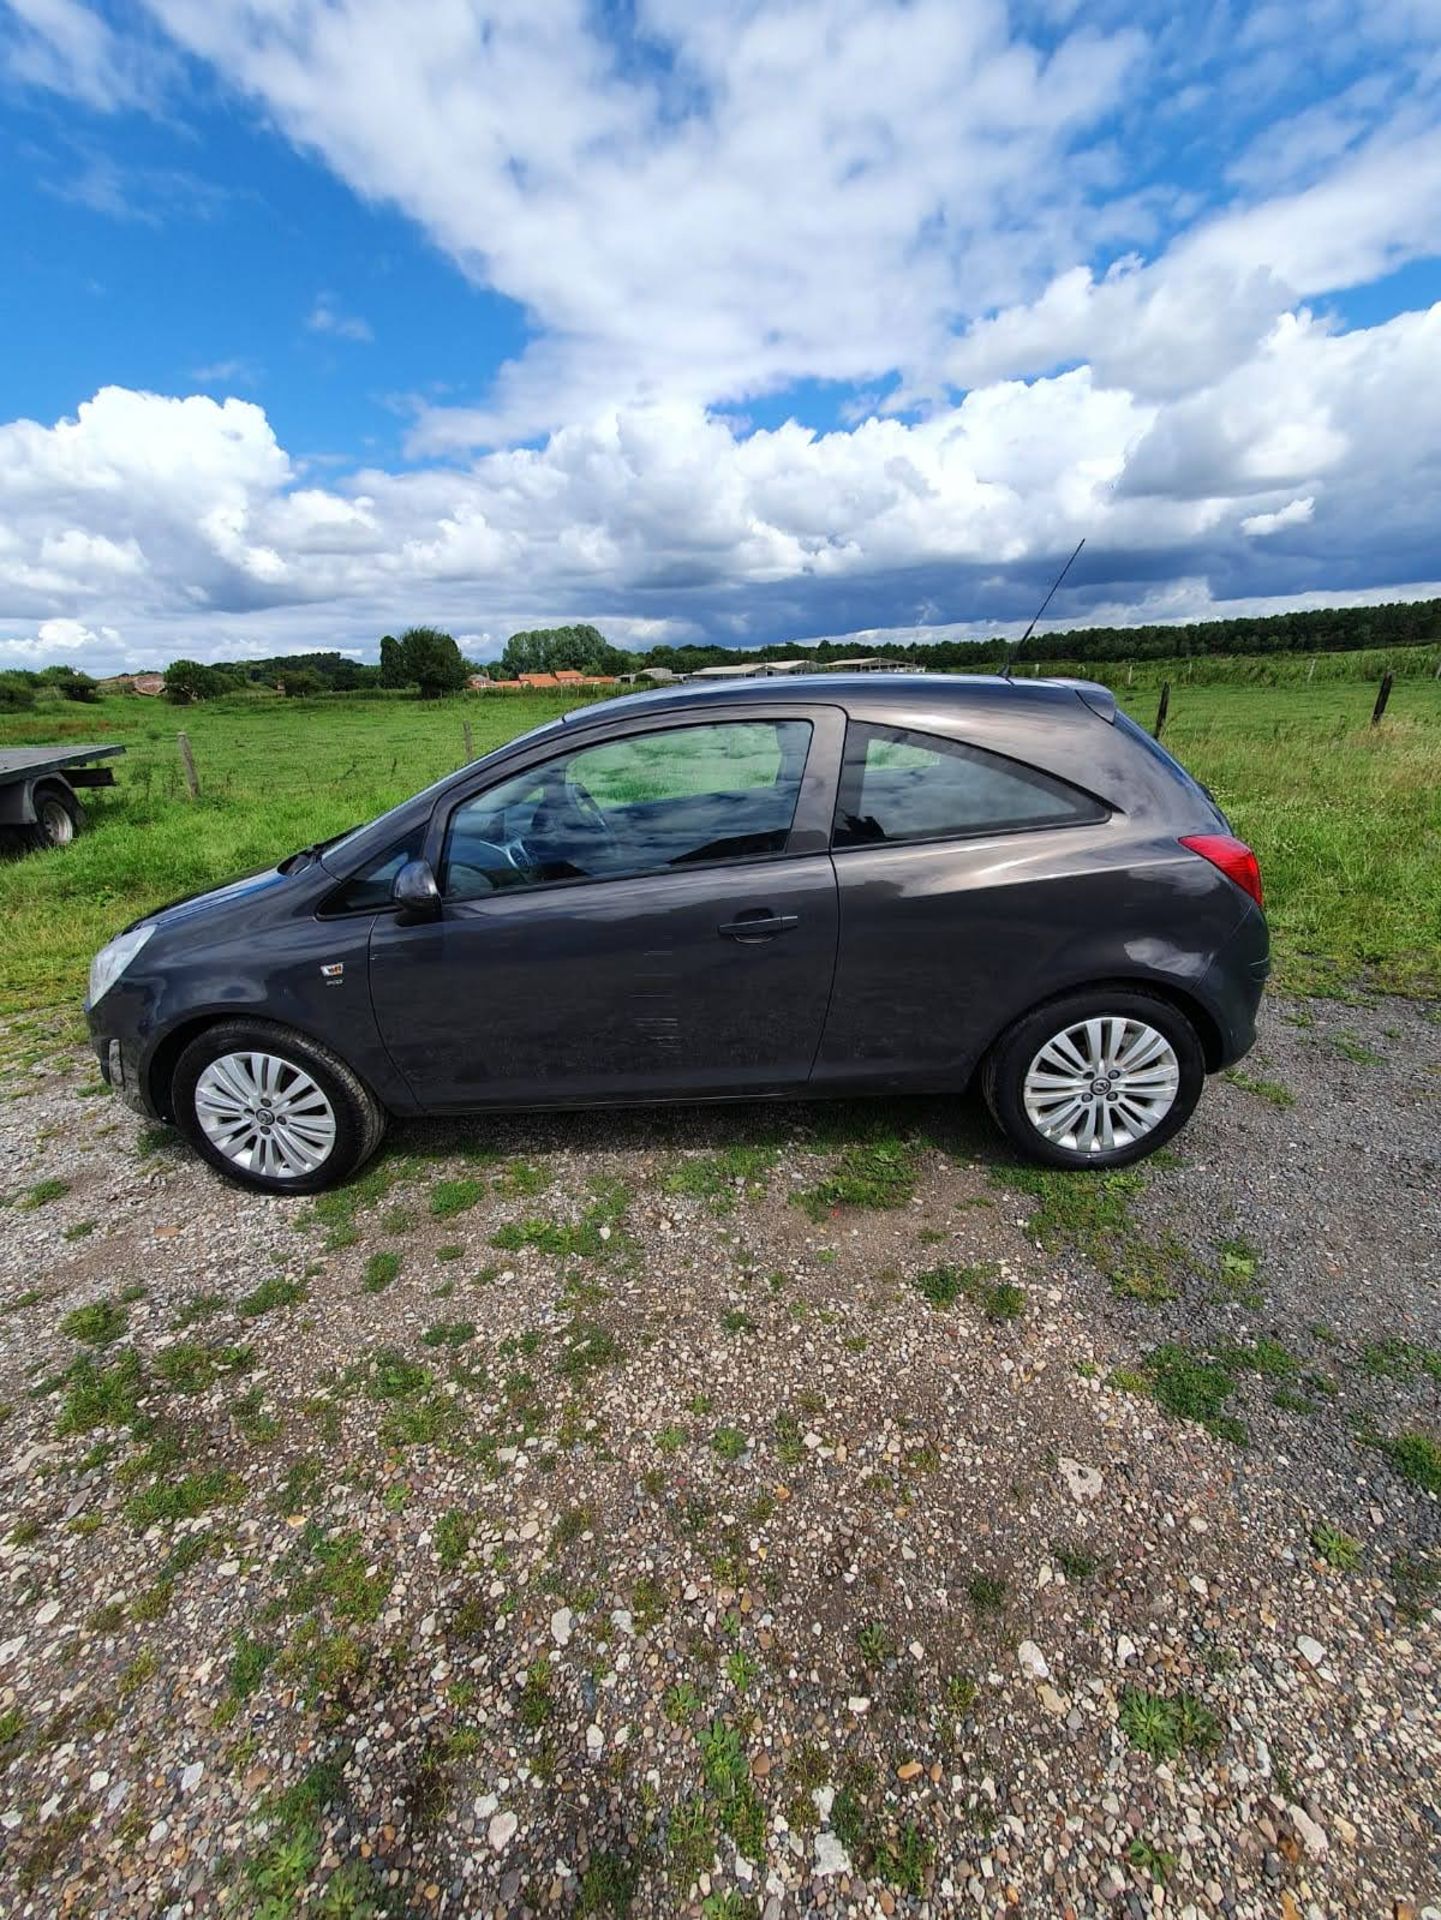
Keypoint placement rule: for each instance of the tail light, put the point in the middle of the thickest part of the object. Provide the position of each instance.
(1234, 858)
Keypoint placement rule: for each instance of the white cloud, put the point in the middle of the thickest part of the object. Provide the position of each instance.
(699, 205)
(810, 190)
(326, 317)
(185, 524)
(68, 48)
(1296, 513)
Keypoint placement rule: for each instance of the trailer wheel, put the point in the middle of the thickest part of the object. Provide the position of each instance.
(59, 816)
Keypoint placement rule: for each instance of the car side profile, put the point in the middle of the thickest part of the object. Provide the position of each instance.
(834, 885)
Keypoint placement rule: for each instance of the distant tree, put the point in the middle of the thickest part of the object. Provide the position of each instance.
(431, 661)
(335, 671)
(15, 691)
(299, 682)
(392, 663)
(70, 684)
(187, 681)
(574, 649)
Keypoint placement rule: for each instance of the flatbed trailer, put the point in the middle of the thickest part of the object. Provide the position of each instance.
(39, 804)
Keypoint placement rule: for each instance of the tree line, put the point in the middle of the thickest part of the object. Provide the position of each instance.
(428, 662)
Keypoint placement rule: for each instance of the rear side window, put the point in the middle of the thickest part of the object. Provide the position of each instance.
(898, 786)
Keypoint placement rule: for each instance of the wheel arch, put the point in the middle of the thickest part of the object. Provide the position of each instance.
(20, 800)
(1207, 1028)
(160, 1067)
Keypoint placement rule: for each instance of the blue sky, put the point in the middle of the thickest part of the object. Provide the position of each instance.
(740, 322)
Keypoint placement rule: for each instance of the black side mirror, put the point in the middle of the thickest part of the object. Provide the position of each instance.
(415, 891)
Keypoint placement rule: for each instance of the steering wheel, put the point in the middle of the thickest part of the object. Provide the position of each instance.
(589, 810)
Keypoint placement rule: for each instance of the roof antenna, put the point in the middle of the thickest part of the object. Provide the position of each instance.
(1006, 670)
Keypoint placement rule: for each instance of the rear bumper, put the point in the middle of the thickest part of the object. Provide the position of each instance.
(1233, 984)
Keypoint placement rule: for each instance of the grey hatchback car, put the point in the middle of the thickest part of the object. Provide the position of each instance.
(831, 885)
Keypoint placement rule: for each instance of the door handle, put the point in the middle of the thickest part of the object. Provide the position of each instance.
(760, 924)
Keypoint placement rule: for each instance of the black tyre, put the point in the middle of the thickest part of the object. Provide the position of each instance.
(1097, 1078)
(272, 1110)
(59, 816)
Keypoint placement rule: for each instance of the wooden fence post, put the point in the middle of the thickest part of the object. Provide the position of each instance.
(187, 762)
(1381, 698)
(1311, 670)
(469, 740)
(1162, 710)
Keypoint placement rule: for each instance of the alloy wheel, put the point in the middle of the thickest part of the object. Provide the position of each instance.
(1101, 1084)
(265, 1114)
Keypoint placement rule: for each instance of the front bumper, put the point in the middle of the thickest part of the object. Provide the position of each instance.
(120, 1067)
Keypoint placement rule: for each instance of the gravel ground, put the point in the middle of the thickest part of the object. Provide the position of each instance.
(611, 1514)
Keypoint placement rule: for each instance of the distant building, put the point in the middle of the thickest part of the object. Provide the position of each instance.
(868, 663)
(756, 670)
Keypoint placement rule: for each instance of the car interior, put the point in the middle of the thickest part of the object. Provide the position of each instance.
(548, 825)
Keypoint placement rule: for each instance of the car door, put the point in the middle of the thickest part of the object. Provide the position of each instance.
(963, 876)
(648, 914)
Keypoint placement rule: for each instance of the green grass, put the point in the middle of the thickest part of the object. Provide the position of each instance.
(1272, 1091)
(1344, 816)
(44, 1191)
(1338, 1549)
(170, 1500)
(97, 1396)
(1417, 1458)
(192, 1367)
(869, 1173)
(720, 1179)
(450, 1197)
(96, 1324)
(380, 1270)
(1165, 1726)
(270, 1294)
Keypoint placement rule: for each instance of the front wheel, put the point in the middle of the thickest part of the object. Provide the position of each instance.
(1099, 1078)
(273, 1111)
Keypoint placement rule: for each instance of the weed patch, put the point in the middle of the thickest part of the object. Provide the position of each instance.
(875, 1174)
(1417, 1458)
(102, 1396)
(43, 1192)
(192, 1367)
(722, 1179)
(381, 1270)
(1165, 1726)
(270, 1295)
(98, 1325)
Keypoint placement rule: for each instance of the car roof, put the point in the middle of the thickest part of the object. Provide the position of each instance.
(904, 691)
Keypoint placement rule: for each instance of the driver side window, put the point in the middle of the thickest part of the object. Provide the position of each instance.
(673, 797)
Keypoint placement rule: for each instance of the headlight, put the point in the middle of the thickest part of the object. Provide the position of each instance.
(113, 958)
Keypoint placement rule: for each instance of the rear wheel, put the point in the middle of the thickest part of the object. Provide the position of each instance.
(1099, 1078)
(272, 1110)
(59, 816)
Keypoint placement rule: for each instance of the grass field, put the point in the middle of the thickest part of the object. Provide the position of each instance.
(1346, 818)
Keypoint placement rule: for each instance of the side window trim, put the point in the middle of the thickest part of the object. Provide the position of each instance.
(1091, 812)
(810, 830)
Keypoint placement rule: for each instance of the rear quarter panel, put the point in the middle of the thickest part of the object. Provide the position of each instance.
(943, 945)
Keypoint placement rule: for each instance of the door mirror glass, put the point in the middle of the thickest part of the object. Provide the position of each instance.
(415, 891)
